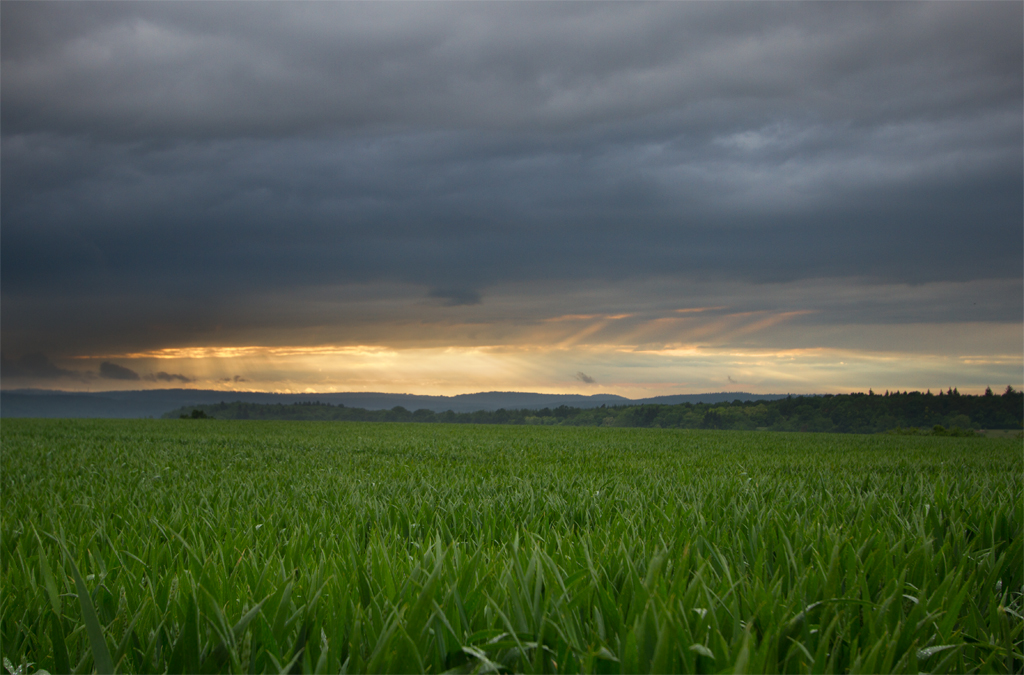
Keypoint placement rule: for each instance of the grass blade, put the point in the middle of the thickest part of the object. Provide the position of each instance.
(98, 644)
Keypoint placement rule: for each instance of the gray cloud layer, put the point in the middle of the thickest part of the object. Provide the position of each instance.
(171, 163)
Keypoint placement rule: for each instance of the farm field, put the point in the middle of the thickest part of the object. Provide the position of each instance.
(227, 546)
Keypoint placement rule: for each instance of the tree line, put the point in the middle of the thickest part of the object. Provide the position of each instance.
(907, 412)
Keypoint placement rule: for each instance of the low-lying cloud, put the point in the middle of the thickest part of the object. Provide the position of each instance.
(112, 371)
(169, 377)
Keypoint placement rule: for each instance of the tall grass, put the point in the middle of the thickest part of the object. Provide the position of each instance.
(181, 546)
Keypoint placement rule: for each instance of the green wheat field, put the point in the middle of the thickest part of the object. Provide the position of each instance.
(156, 546)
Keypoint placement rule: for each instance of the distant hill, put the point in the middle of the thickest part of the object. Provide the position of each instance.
(912, 413)
(156, 402)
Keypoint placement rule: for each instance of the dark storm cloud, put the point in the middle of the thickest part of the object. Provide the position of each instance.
(112, 371)
(276, 69)
(166, 164)
(584, 378)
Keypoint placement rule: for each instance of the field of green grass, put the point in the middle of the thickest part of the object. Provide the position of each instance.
(218, 546)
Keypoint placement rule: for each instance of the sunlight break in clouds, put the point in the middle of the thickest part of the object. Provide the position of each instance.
(624, 370)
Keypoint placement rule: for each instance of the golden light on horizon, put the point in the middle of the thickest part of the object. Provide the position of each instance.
(244, 351)
(636, 355)
(627, 369)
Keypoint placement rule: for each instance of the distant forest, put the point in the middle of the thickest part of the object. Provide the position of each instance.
(914, 412)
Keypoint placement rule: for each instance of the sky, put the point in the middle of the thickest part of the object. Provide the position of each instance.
(441, 198)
